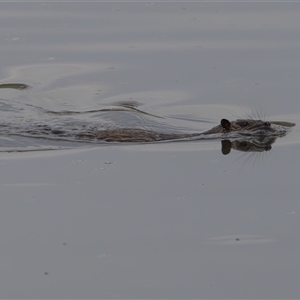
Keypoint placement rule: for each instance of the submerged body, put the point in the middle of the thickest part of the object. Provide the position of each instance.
(243, 126)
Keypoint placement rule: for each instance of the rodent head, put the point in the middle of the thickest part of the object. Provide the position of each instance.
(246, 125)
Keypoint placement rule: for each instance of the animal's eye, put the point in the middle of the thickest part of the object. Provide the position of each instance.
(267, 124)
(245, 124)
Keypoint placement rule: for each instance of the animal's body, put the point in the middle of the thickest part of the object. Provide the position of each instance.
(246, 126)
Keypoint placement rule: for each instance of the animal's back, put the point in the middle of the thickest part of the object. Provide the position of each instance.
(138, 135)
(243, 126)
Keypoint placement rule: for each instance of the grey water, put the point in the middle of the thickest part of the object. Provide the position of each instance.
(181, 219)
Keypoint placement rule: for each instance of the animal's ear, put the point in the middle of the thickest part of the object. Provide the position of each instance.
(225, 124)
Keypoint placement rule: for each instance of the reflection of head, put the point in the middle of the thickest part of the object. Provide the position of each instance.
(254, 145)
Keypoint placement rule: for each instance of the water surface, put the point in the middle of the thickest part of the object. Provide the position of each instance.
(159, 220)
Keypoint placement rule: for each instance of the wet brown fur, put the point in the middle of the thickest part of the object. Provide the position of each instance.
(142, 135)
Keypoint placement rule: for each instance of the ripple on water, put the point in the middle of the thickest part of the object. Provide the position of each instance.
(29, 123)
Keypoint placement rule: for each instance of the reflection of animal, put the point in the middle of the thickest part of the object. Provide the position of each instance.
(259, 144)
(244, 126)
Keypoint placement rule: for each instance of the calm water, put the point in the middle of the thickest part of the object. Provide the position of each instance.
(162, 220)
